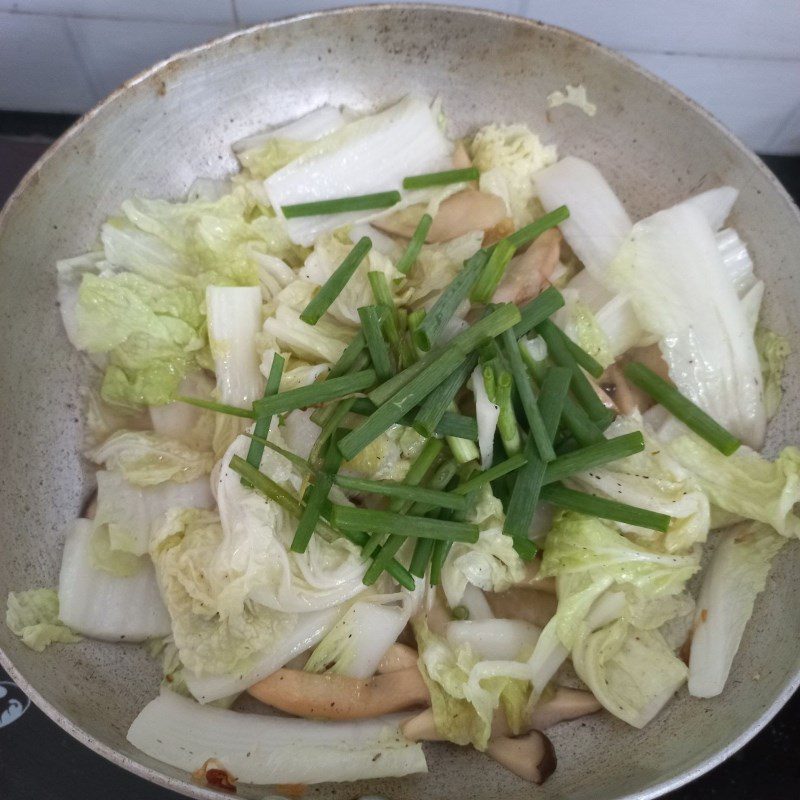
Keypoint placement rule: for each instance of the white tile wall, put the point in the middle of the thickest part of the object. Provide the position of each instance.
(39, 67)
(250, 12)
(114, 50)
(739, 58)
(175, 10)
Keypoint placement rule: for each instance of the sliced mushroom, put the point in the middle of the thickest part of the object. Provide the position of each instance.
(465, 211)
(563, 704)
(307, 694)
(528, 272)
(462, 212)
(461, 159)
(503, 228)
(531, 757)
(397, 657)
(627, 397)
(421, 728)
(522, 603)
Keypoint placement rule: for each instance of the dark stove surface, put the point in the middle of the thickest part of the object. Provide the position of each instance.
(39, 761)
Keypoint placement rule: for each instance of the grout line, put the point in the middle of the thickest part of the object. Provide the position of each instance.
(78, 53)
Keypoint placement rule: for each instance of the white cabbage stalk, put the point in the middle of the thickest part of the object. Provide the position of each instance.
(262, 749)
(496, 639)
(736, 575)
(474, 600)
(714, 204)
(308, 128)
(549, 653)
(486, 414)
(359, 640)
(182, 421)
(234, 321)
(736, 260)
(130, 511)
(104, 606)
(372, 154)
(311, 342)
(257, 535)
(671, 270)
(597, 223)
(751, 306)
(308, 630)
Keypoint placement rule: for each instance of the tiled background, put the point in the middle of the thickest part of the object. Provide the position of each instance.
(739, 58)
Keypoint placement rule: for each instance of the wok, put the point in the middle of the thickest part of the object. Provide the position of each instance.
(175, 121)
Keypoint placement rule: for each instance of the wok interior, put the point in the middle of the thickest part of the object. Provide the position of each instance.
(176, 123)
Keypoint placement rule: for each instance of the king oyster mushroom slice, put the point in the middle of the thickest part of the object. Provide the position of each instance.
(531, 756)
(329, 696)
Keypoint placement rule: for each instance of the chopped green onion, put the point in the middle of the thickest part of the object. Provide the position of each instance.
(417, 494)
(320, 392)
(507, 425)
(423, 550)
(340, 410)
(266, 486)
(383, 392)
(537, 227)
(451, 424)
(388, 522)
(449, 300)
(439, 480)
(457, 426)
(376, 344)
(539, 309)
(332, 287)
(316, 497)
(583, 390)
(692, 416)
(493, 272)
(528, 482)
(220, 408)
(418, 470)
(499, 320)
(352, 359)
(372, 544)
(595, 455)
(588, 362)
(441, 178)
(593, 506)
(339, 205)
(296, 461)
(411, 253)
(382, 558)
(391, 319)
(440, 399)
(463, 450)
(261, 429)
(416, 318)
(491, 474)
(440, 551)
(574, 417)
(489, 383)
(524, 387)
(460, 613)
